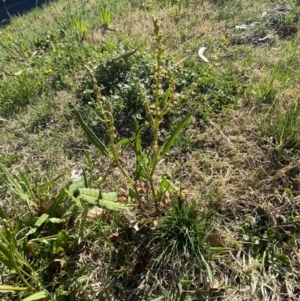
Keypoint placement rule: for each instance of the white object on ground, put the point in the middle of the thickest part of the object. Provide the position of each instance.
(200, 53)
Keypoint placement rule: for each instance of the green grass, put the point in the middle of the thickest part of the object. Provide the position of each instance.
(225, 224)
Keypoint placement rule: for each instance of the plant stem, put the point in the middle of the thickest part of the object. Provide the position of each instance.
(17, 268)
(109, 124)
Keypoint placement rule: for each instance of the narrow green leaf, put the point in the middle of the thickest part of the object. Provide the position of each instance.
(132, 194)
(2, 214)
(93, 138)
(125, 141)
(73, 188)
(9, 288)
(62, 193)
(44, 186)
(166, 97)
(25, 181)
(209, 273)
(86, 180)
(41, 220)
(169, 143)
(55, 220)
(31, 231)
(83, 270)
(88, 160)
(220, 249)
(37, 224)
(37, 296)
(5, 256)
(63, 238)
(16, 186)
(138, 150)
(186, 282)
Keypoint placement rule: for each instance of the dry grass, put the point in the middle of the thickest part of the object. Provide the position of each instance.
(228, 166)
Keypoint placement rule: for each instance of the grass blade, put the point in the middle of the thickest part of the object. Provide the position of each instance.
(208, 270)
(16, 186)
(44, 186)
(90, 195)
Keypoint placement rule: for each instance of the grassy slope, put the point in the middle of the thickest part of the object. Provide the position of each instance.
(241, 161)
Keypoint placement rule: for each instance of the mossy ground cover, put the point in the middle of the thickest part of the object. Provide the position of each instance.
(223, 224)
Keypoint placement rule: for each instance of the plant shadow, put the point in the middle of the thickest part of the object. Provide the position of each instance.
(12, 8)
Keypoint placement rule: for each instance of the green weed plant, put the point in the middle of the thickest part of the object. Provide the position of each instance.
(156, 107)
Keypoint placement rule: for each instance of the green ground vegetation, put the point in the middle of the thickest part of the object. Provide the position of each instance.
(131, 168)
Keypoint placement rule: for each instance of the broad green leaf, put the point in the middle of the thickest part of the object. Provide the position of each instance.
(114, 206)
(45, 241)
(97, 195)
(105, 200)
(9, 288)
(165, 185)
(26, 181)
(5, 256)
(109, 196)
(93, 138)
(90, 195)
(100, 180)
(16, 186)
(36, 296)
(169, 143)
(63, 238)
(83, 270)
